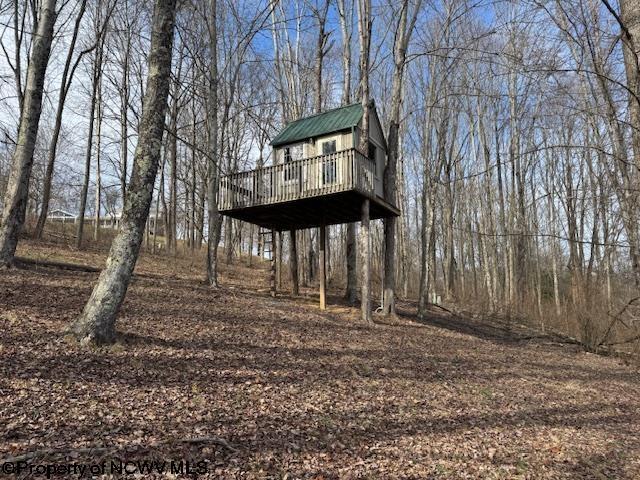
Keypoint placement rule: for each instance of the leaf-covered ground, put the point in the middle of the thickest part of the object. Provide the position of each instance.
(298, 393)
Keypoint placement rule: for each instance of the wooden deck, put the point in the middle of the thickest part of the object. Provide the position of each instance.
(323, 190)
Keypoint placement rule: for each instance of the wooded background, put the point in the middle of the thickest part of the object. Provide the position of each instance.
(516, 125)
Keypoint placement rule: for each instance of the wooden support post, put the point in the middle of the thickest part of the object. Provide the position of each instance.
(365, 263)
(293, 263)
(279, 260)
(273, 264)
(323, 275)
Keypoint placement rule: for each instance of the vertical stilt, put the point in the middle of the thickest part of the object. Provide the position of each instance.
(273, 264)
(365, 262)
(322, 270)
(279, 260)
(293, 264)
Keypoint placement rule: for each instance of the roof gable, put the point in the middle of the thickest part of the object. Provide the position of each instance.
(323, 123)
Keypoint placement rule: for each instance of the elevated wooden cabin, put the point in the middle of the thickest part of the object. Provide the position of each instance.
(318, 176)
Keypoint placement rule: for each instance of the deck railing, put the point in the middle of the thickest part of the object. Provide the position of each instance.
(309, 177)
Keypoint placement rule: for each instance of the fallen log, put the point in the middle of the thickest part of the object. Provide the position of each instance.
(23, 261)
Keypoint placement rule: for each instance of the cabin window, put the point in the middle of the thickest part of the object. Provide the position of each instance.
(329, 147)
(372, 157)
(291, 154)
(329, 167)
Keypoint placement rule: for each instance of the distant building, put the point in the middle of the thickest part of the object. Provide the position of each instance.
(59, 215)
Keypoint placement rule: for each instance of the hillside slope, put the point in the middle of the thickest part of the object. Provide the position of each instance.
(296, 392)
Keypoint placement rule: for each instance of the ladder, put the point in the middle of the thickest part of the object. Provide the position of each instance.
(267, 236)
(266, 242)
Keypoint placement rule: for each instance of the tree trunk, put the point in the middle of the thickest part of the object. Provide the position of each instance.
(365, 263)
(96, 324)
(17, 190)
(87, 163)
(53, 145)
(96, 227)
(213, 230)
(427, 234)
(350, 239)
(124, 121)
(364, 30)
(403, 34)
(172, 152)
(630, 15)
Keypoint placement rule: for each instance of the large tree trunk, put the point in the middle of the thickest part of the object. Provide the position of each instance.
(350, 240)
(364, 30)
(321, 51)
(427, 206)
(630, 16)
(403, 34)
(17, 192)
(96, 324)
(213, 232)
(365, 262)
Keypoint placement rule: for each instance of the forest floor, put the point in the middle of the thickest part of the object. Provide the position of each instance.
(296, 392)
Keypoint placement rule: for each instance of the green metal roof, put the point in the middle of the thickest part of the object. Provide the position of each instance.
(323, 123)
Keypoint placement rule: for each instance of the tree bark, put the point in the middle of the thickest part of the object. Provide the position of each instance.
(350, 239)
(365, 263)
(17, 191)
(403, 34)
(96, 324)
(364, 30)
(99, 114)
(97, 68)
(630, 16)
(213, 227)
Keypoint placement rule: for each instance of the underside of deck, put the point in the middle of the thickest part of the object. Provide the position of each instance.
(331, 209)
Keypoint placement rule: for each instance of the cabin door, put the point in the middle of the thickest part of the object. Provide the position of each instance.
(292, 181)
(329, 166)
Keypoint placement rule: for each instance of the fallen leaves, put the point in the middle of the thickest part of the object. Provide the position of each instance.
(295, 392)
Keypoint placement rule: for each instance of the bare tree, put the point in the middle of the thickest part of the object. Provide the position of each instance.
(406, 24)
(65, 85)
(364, 31)
(96, 324)
(96, 80)
(15, 199)
(345, 11)
(213, 237)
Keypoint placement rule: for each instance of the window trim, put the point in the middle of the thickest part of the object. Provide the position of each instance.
(328, 141)
(375, 159)
(289, 173)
